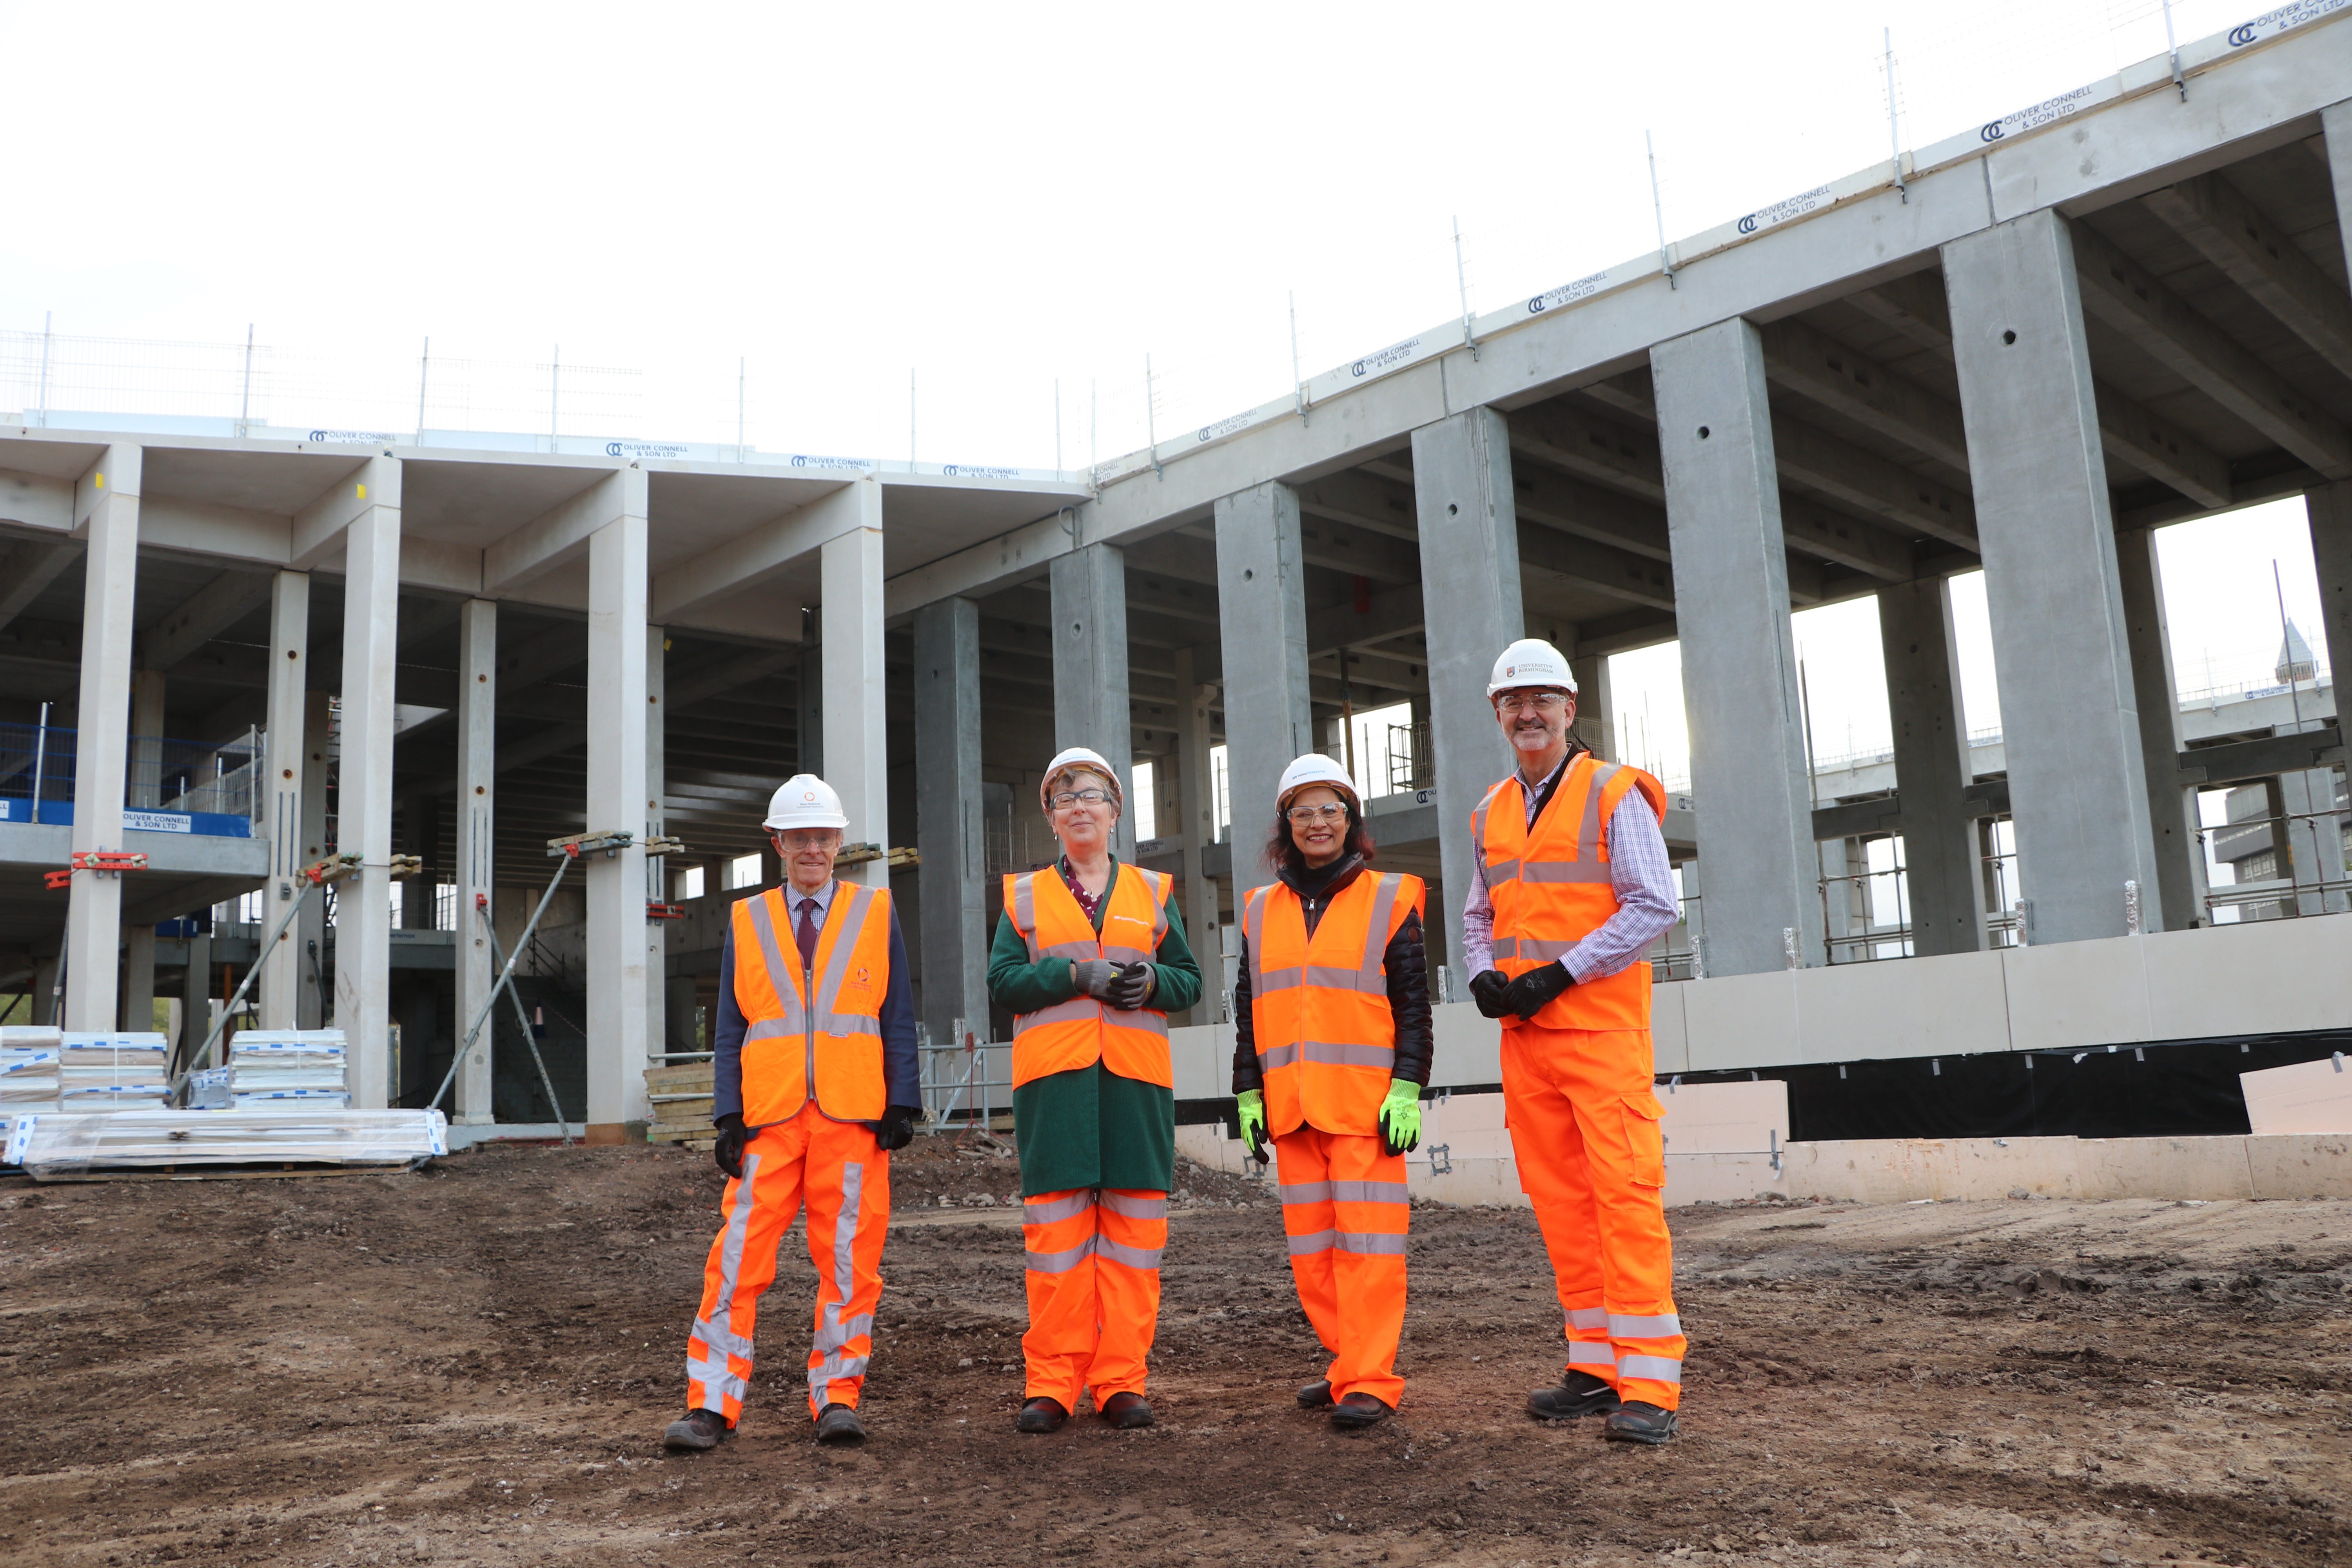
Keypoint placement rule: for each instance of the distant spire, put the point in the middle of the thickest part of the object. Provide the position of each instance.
(2295, 661)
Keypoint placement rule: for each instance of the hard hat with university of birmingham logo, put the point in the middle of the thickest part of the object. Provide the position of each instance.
(805, 800)
(1531, 661)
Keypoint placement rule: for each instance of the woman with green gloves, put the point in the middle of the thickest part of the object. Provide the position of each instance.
(1331, 1011)
(1090, 959)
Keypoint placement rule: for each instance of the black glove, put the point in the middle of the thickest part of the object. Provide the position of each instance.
(728, 1150)
(1093, 978)
(1134, 986)
(897, 1128)
(1529, 993)
(1487, 989)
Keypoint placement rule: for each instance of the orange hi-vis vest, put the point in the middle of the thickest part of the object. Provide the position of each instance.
(1550, 886)
(1081, 1031)
(835, 1042)
(1320, 1005)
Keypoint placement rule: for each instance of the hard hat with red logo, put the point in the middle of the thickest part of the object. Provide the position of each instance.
(1531, 661)
(805, 800)
(1079, 757)
(1314, 768)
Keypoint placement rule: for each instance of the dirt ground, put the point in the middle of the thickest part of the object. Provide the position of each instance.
(473, 1365)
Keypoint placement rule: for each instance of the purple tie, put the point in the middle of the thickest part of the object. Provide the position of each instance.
(805, 933)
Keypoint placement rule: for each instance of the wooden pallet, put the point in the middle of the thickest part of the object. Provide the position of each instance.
(680, 1096)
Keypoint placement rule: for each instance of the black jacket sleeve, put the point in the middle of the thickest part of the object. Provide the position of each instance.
(726, 1039)
(1246, 1074)
(902, 1073)
(1407, 963)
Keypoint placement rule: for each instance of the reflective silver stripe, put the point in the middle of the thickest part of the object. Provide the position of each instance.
(1160, 884)
(779, 975)
(769, 1029)
(832, 1333)
(1302, 1246)
(1366, 1192)
(1119, 952)
(851, 913)
(1337, 978)
(833, 1337)
(1059, 1013)
(1591, 1353)
(1372, 973)
(1656, 1368)
(717, 1382)
(1080, 951)
(1272, 1057)
(1665, 1327)
(1265, 983)
(1036, 1211)
(730, 1249)
(1025, 911)
(1587, 838)
(1588, 1318)
(1060, 1262)
(719, 1337)
(1536, 949)
(850, 1024)
(1502, 871)
(1135, 1208)
(1306, 1193)
(1334, 1054)
(1133, 1257)
(1364, 1242)
(1556, 871)
(834, 1367)
(1145, 1021)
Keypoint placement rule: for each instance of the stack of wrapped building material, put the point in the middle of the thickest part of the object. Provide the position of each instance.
(69, 1147)
(28, 1070)
(680, 1096)
(288, 1067)
(113, 1072)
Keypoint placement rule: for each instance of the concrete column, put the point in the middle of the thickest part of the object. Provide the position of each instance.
(139, 977)
(363, 781)
(1596, 708)
(1739, 665)
(1195, 735)
(948, 819)
(678, 1004)
(857, 701)
(657, 825)
(476, 873)
(2329, 512)
(45, 997)
(2078, 779)
(1262, 622)
(197, 988)
(1841, 858)
(1470, 599)
(2315, 844)
(105, 510)
(808, 719)
(310, 956)
(1944, 877)
(143, 790)
(2175, 902)
(285, 971)
(420, 831)
(1090, 683)
(618, 984)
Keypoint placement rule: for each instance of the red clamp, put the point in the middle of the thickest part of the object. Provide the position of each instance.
(665, 911)
(114, 861)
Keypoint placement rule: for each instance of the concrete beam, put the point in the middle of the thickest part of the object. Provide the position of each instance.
(1268, 717)
(948, 811)
(1876, 487)
(2202, 767)
(318, 529)
(1568, 438)
(1814, 529)
(1619, 574)
(562, 530)
(1605, 517)
(31, 567)
(1816, 366)
(1740, 662)
(2234, 235)
(1354, 496)
(756, 557)
(203, 615)
(2131, 299)
(2328, 515)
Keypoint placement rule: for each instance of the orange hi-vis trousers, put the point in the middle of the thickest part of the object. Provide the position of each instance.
(1345, 1212)
(1584, 1130)
(1094, 1290)
(835, 1168)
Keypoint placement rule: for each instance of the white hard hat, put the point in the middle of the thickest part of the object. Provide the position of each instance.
(1531, 661)
(805, 800)
(1314, 768)
(1079, 757)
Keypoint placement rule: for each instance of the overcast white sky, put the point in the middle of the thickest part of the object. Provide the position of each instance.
(990, 198)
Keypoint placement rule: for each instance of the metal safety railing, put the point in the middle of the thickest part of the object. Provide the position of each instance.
(958, 1078)
(2285, 897)
(38, 766)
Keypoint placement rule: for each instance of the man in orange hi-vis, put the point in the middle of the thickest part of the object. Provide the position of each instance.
(815, 1083)
(1332, 1045)
(1573, 885)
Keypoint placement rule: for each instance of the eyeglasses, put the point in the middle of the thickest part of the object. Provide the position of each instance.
(1080, 797)
(1541, 702)
(1303, 815)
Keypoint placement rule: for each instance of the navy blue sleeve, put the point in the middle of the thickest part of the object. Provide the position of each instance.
(902, 1073)
(726, 1039)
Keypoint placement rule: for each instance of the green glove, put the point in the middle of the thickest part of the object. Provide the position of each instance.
(1252, 1112)
(1401, 1116)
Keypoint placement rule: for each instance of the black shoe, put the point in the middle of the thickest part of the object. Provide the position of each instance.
(1316, 1395)
(839, 1423)
(1042, 1415)
(1127, 1412)
(700, 1430)
(1359, 1410)
(1640, 1422)
(1578, 1393)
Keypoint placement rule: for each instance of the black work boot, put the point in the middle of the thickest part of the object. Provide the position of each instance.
(1360, 1410)
(1127, 1412)
(1041, 1415)
(700, 1430)
(839, 1423)
(1316, 1395)
(1578, 1393)
(1640, 1422)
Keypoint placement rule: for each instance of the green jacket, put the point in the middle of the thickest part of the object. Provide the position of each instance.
(1088, 1127)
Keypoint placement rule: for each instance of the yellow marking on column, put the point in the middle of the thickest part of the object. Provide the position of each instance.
(97, 482)
(363, 492)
